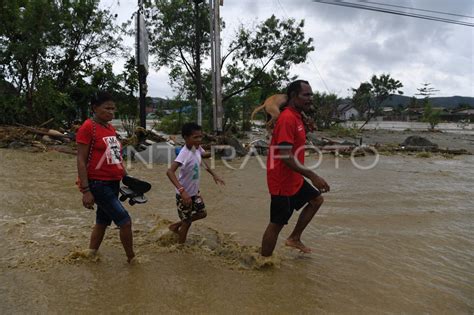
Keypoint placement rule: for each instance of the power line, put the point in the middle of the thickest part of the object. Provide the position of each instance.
(416, 9)
(372, 8)
(309, 57)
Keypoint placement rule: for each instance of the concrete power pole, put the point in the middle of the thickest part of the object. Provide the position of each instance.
(142, 62)
(217, 109)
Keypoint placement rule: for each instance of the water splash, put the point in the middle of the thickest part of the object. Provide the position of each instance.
(205, 241)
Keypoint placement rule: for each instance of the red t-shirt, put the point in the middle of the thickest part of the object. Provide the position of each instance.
(106, 160)
(289, 128)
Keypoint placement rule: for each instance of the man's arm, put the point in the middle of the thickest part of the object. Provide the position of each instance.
(290, 161)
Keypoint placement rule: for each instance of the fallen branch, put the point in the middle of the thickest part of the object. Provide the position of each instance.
(50, 132)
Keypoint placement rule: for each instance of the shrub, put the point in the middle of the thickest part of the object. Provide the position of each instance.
(339, 131)
(12, 109)
(423, 155)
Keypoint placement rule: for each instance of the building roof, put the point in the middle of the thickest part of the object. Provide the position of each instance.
(344, 107)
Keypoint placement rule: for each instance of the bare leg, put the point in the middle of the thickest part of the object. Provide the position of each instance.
(307, 214)
(126, 237)
(97, 236)
(184, 227)
(270, 238)
(177, 225)
(183, 231)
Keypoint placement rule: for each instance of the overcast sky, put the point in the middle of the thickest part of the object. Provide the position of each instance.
(352, 44)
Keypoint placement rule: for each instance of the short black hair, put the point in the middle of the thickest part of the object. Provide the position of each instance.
(100, 97)
(188, 129)
(294, 87)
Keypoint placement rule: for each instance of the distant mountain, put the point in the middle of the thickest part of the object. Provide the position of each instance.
(162, 103)
(446, 102)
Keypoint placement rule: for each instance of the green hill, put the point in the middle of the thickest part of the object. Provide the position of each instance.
(446, 102)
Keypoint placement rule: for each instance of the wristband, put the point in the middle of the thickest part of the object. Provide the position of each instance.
(84, 189)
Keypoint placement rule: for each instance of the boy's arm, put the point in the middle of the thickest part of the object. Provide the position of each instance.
(217, 179)
(174, 180)
(172, 176)
(206, 155)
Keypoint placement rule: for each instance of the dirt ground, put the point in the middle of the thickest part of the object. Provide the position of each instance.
(453, 141)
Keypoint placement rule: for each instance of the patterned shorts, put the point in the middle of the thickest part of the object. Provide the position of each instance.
(196, 207)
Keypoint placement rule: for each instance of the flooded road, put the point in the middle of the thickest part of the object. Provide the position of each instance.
(398, 238)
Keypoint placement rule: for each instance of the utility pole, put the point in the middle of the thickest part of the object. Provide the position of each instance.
(142, 62)
(197, 48)
(217, 110)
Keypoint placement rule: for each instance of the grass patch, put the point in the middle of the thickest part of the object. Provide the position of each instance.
(339, 131)
(388, 149)
(448, 156)
(423, 155)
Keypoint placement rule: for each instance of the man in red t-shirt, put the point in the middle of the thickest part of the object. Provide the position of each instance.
(285, 171)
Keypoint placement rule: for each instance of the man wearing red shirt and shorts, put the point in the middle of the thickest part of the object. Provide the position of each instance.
(286, 171)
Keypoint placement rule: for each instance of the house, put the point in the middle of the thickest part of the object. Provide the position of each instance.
(387, 110)
(412, 114)
(469, 112)
(465, 115)
(346, 111)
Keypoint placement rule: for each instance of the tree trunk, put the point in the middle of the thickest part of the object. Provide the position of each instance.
(369, 115)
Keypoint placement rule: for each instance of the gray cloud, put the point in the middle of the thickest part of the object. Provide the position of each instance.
(352, 45)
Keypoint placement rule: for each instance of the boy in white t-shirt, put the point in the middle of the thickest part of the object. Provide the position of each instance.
(188, 200)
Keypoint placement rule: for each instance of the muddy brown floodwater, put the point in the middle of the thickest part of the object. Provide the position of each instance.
(398, 238)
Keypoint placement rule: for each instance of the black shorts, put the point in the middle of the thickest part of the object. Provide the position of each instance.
(186, 213)
(282, 207)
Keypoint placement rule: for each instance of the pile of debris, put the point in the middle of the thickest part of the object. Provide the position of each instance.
(419, 144)
(36, 139)
(151, 146)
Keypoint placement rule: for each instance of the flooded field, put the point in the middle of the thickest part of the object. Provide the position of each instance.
(398, 238)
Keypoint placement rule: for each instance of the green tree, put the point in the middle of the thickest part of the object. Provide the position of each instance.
(430, 115)
(326, 107)
(369, 97)
(86, 36)
(53, 45)
(179, 39)
(263, 56)
(26, 34)
(127, 103)
(239, 107)
(426, 91)
(257, 58)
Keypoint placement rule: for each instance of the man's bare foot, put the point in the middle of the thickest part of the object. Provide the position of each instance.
(132, 260)
(90, 252)
(175, 227)
(298, 245)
